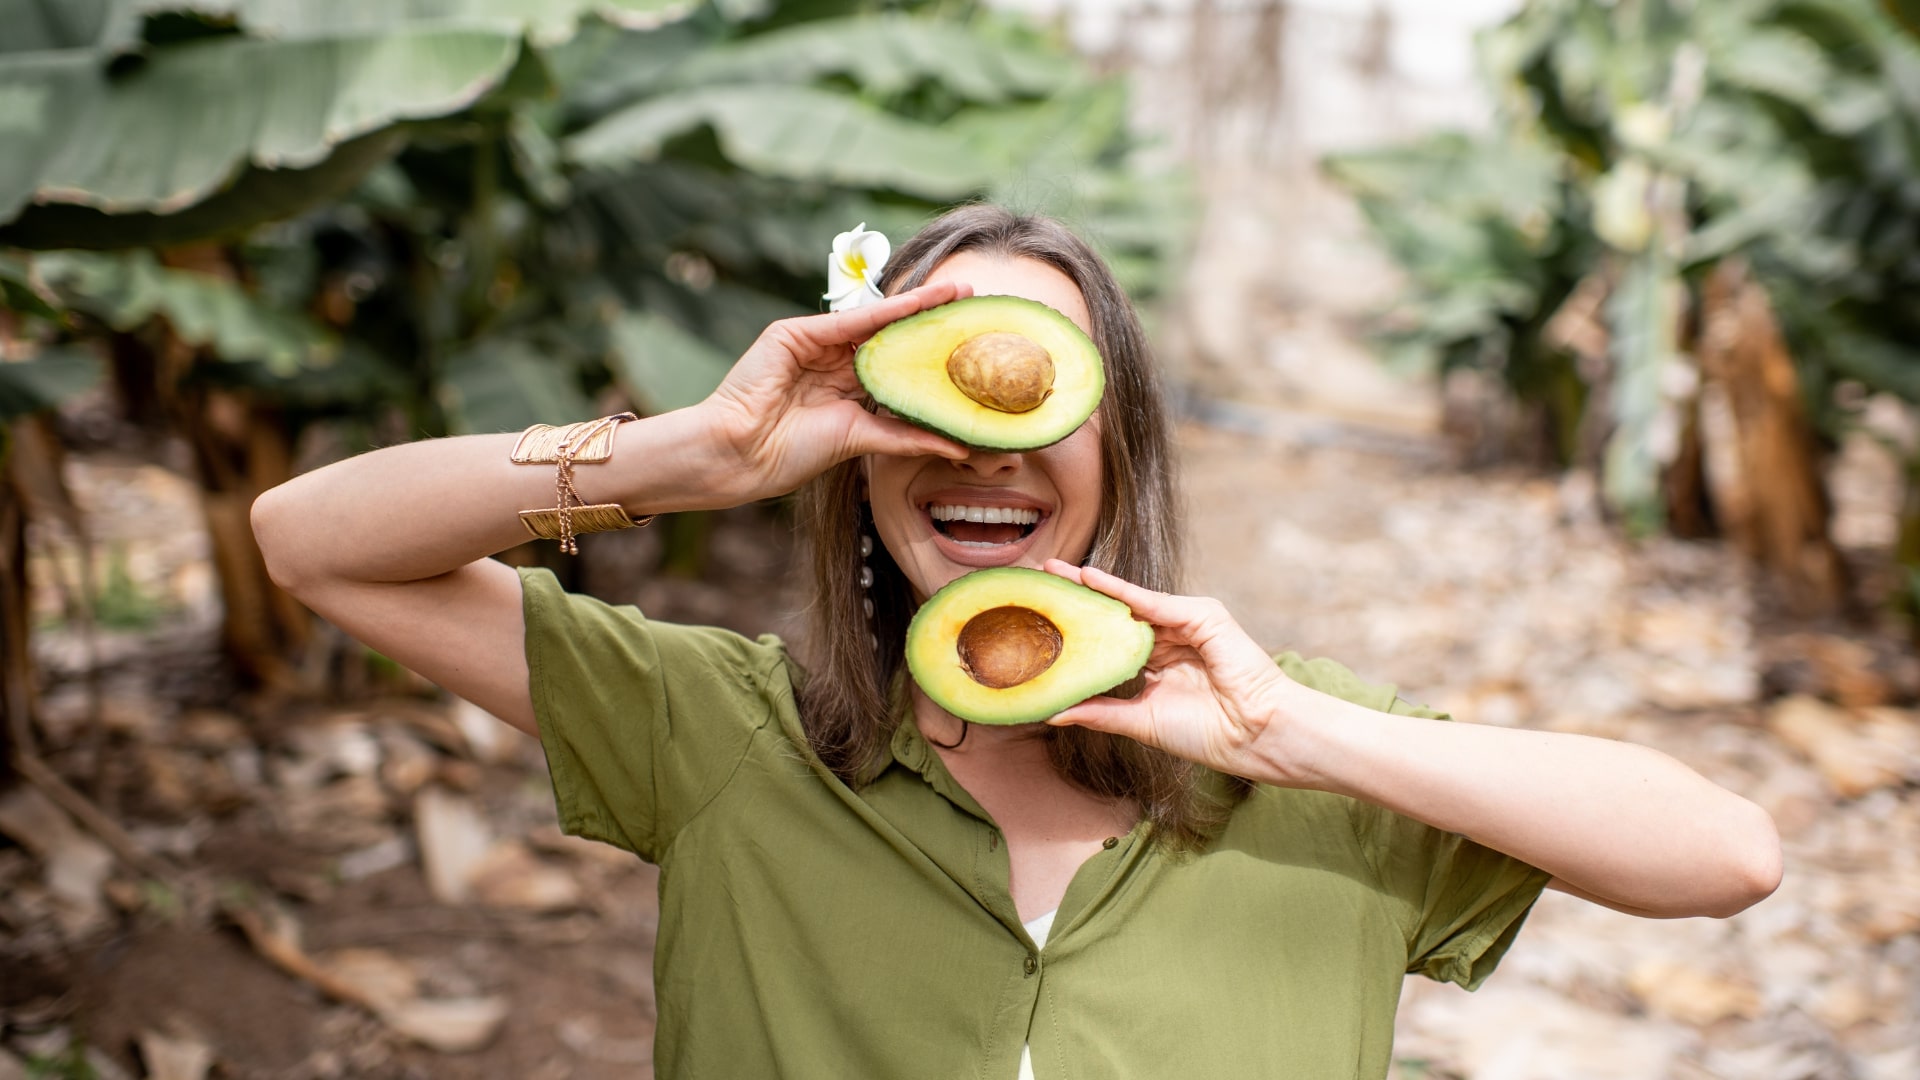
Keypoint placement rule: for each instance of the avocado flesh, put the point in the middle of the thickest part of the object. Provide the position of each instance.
(965, 638)
(905, 367)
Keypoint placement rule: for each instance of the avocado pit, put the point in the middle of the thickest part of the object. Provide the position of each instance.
(1007, 646)
(1002, 370)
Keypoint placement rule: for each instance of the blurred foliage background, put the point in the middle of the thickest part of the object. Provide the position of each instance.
(1691, 246)
(278, 230)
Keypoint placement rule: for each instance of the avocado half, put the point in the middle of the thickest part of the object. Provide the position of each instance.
(1015, 646)
(992, 372)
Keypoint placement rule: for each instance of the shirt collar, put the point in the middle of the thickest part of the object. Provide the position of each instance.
(911, 751)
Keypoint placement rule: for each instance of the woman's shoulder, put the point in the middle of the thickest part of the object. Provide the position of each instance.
(1332, 677)
(622, 650)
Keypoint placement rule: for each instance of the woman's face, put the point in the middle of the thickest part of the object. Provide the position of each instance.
(1047, 501)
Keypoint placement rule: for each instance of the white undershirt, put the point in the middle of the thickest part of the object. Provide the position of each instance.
(1038, 930)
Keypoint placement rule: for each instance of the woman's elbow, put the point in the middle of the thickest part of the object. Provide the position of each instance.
(1754, 861)
(269, 517)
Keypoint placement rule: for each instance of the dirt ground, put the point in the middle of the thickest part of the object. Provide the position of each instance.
(376, 888)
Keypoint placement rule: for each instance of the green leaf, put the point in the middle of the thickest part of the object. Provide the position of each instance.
(47, 380)
(1077, 125)
(23, 291)
(125, 291)
(663, 367)
(121, 145)
(1906, 12)
(544, 22)
(885, 55)
(506, 384)
(1780, 62)
(47, 25)
(1643, 317)
(180, 124)
(793, 132)
(255, 197)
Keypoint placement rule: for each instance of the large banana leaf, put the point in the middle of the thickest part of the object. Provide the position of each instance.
(125, 290)
(21, 290)
(121, 127)
(544, 22)
(46, 380)
(662, 366)
(1907, 12)
(1643, 315)
(791, 132)
(885, 55)
(506, 383)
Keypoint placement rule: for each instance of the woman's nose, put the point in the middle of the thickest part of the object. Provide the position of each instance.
(989, 462)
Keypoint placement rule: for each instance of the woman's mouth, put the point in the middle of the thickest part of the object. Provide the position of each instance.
(983, 526)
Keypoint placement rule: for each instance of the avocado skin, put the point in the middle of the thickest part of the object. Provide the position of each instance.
(915, 349)
(1103, 645)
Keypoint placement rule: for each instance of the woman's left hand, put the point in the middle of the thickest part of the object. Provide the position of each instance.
(1211, 693)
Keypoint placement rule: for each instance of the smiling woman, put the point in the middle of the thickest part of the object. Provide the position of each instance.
(1227, 872)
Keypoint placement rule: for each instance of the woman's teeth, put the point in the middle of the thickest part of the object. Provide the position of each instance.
(991, 515)
(983, 526)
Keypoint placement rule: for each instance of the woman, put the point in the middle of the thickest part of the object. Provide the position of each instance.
(1226, 875)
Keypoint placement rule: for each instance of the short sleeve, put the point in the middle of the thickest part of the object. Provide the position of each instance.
(1460, 903)
(643, 722)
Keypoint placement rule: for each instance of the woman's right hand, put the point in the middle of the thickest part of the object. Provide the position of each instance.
(791, 407)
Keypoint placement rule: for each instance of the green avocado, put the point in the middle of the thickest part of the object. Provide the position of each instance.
(992, 372)
(1015, 646)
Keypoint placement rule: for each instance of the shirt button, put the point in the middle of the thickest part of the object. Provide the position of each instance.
(1110, 843)
(1031, 965)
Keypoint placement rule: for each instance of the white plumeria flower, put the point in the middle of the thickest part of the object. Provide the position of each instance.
(853, 270)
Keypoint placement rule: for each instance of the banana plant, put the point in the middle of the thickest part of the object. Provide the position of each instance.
(153, 122)
(1779, 138)
(496, 212)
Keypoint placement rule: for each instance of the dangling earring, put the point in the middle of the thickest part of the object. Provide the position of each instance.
(866, 588)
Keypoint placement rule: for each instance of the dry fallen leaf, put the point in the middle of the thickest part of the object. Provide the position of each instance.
(378, 978)
(175, 1057)
(76, 865)
(453, 838)
(1852, 761)
(1693, 996)
(487, 737)
(375, 981)
(510, 876)
(452, 1026)
(409, 763)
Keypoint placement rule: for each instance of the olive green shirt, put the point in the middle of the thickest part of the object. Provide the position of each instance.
(808, 929)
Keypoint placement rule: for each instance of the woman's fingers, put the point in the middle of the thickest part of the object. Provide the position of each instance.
(1116, 716)
(884, 435)
(1160, 609)
(818, 340)
(1062, 568)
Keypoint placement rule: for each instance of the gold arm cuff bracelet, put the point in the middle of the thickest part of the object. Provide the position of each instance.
(563, 447)
(589, 441)
(600, 517)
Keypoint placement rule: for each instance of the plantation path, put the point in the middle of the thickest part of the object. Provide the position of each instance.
(1503, 599)
(405, 848)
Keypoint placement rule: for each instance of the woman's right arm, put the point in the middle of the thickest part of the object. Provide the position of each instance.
(392, 546)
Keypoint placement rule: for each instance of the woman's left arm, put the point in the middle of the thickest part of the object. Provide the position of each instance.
(1615, 823)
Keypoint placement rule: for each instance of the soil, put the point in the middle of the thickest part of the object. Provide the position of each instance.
(1502, 596)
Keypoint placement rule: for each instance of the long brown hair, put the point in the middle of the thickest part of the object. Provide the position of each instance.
(846, 704)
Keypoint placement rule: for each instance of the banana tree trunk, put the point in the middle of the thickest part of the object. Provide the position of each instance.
(16, 663)
(1767, 490)
(242, 448)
